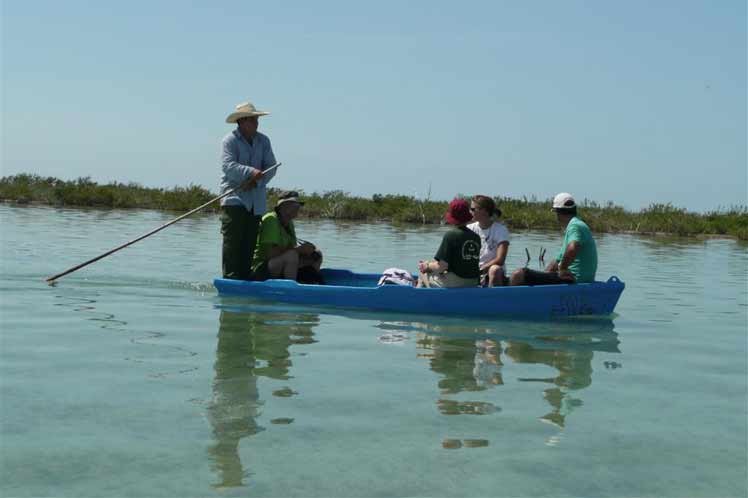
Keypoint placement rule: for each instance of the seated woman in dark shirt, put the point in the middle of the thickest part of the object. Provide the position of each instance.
(456, 261)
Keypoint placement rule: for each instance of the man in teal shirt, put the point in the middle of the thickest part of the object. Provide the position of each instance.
(577, 259)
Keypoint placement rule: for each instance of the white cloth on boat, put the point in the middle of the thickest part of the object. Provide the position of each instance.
(396, 276)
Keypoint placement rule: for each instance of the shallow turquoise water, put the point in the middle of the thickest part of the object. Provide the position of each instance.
(132, 378)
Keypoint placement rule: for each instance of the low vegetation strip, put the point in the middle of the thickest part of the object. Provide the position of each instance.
(518, 213)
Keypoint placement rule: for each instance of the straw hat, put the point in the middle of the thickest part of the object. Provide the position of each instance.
(245, 110)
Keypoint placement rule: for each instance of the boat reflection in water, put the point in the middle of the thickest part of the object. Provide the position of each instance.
(483, 368)
(471, 359)
(250, 346)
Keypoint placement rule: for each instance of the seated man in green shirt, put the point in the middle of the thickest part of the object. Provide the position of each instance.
(577, 260)
(277, 254)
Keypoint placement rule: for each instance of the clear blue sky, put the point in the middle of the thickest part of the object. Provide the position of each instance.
(633, 102)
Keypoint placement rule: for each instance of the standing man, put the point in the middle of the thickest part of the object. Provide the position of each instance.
(245, 154)
(577, 259)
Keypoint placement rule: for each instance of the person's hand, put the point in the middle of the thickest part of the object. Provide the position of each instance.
(565, 274)
(255, 177)
(305, 249)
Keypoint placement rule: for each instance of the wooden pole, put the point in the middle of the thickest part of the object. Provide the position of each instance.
(51, 279)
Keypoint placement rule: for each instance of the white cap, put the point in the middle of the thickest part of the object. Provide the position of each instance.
(564, 201)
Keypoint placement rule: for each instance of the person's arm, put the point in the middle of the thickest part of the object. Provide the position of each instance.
(500, 257)
(439, 263)
(436, 266)
(570, 252)
(236, 173)
(552, 266)
(569, 255)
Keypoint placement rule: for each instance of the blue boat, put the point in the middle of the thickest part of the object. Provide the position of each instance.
(345, 289)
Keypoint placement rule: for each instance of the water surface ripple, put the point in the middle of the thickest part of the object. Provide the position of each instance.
(132, 378)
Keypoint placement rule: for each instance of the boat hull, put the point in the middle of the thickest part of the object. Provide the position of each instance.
(345, 289)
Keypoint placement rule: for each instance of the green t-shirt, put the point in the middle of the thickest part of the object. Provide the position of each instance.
(584, 265)
(272, 233)
(460, 249)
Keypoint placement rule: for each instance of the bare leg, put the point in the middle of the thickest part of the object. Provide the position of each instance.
(318, 263)
(315, 260)
(284, 266)
(518, 277)
(423, 280)
(495, 276)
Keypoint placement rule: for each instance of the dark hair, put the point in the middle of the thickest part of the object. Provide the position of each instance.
(486, 203)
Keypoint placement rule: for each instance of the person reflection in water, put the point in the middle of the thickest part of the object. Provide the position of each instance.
(574, 374)
(572, 356)
(248, 348)
(467, 365)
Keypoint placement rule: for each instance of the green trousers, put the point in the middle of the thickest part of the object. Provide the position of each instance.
(239, 228)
